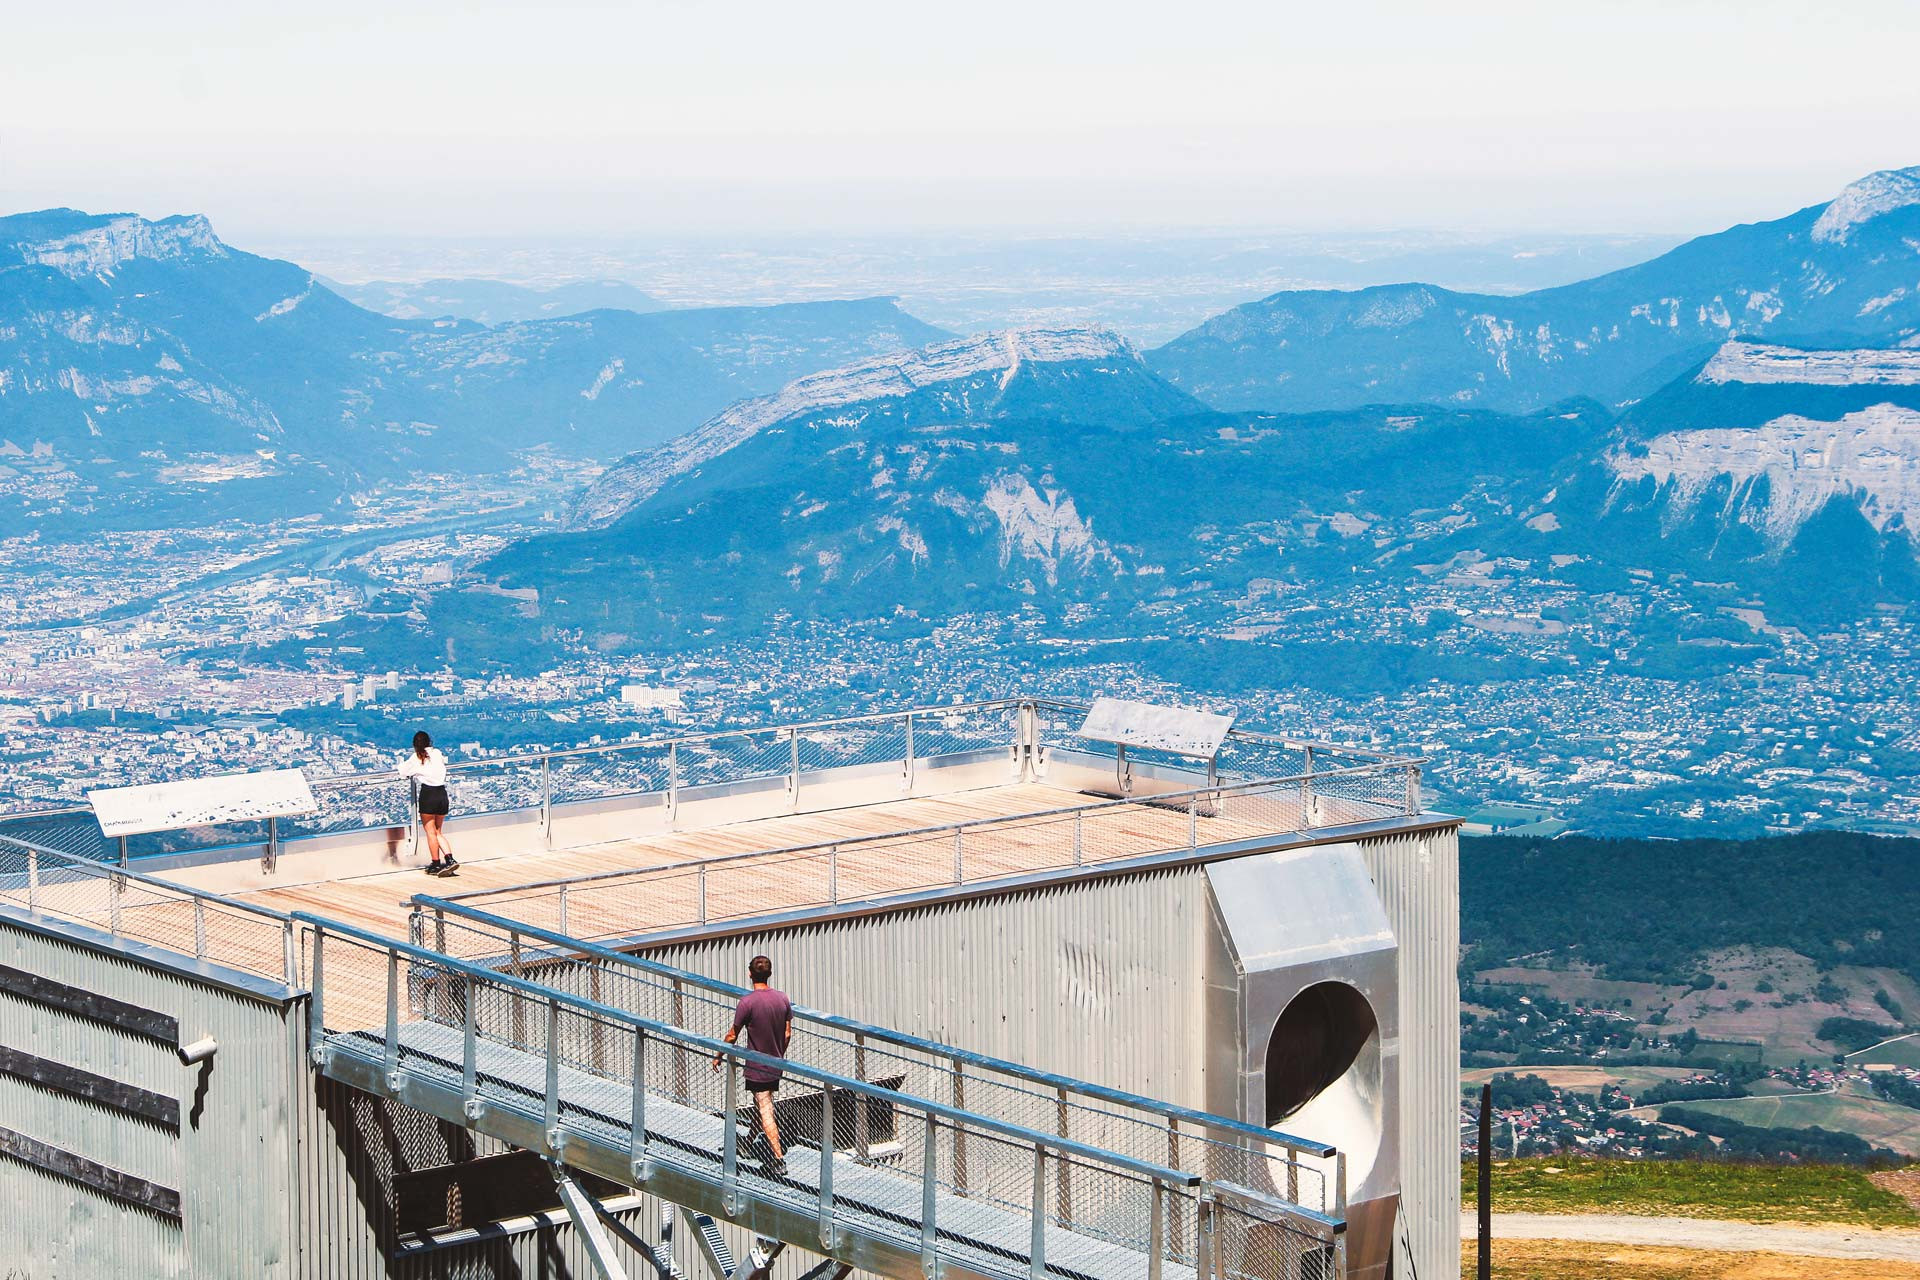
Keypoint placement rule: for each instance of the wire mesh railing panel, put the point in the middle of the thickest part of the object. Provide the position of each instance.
(932, 1177)
(126, 905)
(939, 1073)
(855, 744)
(1243, 759)
(965, 730)
(360, 803)
(600, 775)
(70, 831)
(1251, 1245)
(735, 757)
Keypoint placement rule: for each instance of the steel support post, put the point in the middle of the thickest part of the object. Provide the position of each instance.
(586, 1221)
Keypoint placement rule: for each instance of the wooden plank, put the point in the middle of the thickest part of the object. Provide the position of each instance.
(124, 1187)
(72, 1081)
(91, 1005)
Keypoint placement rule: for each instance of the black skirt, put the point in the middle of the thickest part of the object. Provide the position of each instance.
(433, 802)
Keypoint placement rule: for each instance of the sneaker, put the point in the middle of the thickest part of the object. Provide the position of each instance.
(434, 868)
(778, 1168)
(450, 865)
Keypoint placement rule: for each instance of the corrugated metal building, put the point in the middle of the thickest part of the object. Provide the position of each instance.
(120, 1157)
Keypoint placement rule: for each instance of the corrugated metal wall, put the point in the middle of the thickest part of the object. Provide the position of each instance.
(229, 1161)
(1105, 980)
(1418, 879)
(1088, 979)
(281, 1173)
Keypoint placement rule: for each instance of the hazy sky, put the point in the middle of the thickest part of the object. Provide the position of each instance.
(565, 119)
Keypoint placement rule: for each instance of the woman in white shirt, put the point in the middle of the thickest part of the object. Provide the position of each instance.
(427, 765)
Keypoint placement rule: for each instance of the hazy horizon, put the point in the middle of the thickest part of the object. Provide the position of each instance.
(604, 120)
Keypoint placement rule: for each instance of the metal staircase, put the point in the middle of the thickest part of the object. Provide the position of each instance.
(878, 1178)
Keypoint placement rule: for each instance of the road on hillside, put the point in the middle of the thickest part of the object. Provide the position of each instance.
(1897, 1244)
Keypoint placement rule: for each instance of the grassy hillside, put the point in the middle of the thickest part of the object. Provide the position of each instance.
(1687, 1189)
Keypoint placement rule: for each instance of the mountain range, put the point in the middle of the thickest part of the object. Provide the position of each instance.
(1844, 273)
(143, 361)
(1742, 411)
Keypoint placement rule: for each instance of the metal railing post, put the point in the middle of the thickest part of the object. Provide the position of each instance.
(861, 1137)
(730, 1146)
(673, 782)
(392, 1056)
(116, 890)
(1193, 822)
(959, 1134)
(316, 1005)
(909, 761)
(959, 866)
(1157, 1232)
(123, 851)
(563, 909)
(637, 1153)
(703, 893)
(270, 856)
(1173, 1162)
(1037, 1242)
(546, 799)
(1413, 791)
(33, 879)
(793, 767)
(551, 1114)
(1306, 791)
(827, 1238)
(199, 928)
(833, 875)
(1079, 854)
(289, 953)
(470, 1057)
(1203, 1238)
(1065, 1165)
(930, 1199)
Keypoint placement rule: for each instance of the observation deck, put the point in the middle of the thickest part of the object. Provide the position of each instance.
(509, 999)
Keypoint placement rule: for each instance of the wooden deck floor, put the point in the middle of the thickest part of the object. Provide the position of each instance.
(757, 867)
(709, 875)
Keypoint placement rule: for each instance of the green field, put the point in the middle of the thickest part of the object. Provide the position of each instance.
(1884, 1124)
(1689, 1189)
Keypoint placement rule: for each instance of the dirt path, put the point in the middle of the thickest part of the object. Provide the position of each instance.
(1893, 1244)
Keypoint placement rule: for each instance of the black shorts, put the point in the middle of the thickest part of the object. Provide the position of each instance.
(433, 802)
(763, 1086)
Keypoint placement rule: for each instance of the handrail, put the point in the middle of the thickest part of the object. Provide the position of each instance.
(510, 759)
(322, 926)
(1037, 816)
(112, 871)
(1300, 1146)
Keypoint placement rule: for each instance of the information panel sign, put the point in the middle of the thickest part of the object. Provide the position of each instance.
(229, 797)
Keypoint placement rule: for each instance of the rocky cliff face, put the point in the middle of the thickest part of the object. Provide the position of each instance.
(1778, 476)
(970, 378)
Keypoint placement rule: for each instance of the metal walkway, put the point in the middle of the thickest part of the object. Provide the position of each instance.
(876, 1178)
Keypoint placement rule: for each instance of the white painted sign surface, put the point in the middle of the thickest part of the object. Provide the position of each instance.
(229, 797)
(1142, 724)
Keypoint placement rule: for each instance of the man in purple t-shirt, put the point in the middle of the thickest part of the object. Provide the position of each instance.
(767, 1016)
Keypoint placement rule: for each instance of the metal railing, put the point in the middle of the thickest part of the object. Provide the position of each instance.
(1298, 1171)
(129, 905)
(698, 892)
(587, 1082)
(1021, 730)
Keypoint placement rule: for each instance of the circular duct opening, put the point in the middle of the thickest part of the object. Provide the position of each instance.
(1316, 1042)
